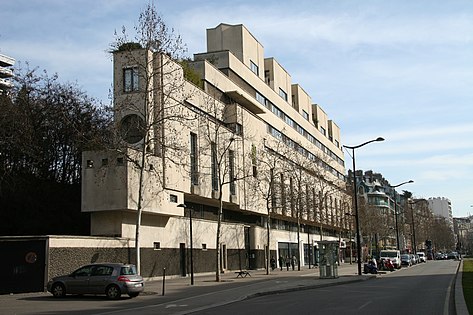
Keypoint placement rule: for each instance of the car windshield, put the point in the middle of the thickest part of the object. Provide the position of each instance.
(128, 270)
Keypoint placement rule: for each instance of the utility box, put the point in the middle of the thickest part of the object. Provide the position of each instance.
(328, 254)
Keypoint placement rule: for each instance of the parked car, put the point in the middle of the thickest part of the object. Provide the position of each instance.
(422, 257)
(406, 260)
(111, 279)
(452, 255)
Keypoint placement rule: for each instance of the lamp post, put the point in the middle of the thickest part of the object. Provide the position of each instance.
(413, 224)
(395, 210)
(355, 199)
(191, 243)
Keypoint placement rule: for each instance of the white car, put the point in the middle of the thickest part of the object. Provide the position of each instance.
(422, 257)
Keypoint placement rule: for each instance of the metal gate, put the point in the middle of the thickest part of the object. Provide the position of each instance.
(22, 265)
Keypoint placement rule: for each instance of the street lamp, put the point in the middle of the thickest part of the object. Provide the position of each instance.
(191, 243)
(395, 210)
(413, 225)
(357, 219)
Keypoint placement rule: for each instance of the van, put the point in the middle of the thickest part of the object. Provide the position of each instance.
(393, 255)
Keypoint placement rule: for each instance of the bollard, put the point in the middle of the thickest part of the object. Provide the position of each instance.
(164, 278)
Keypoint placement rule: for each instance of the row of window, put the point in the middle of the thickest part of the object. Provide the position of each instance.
(289, 121)
(291, 143)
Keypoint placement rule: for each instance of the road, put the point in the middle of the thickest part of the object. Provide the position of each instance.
(421, 289)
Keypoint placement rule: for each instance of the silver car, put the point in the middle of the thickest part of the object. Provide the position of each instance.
(111, 279)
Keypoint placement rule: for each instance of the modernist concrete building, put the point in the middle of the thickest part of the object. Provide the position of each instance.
(442, 207)
(5, 73)
(228, 129)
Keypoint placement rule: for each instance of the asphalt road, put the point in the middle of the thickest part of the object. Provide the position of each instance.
(421, 289)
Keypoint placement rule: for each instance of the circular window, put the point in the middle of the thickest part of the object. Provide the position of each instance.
(132, 128)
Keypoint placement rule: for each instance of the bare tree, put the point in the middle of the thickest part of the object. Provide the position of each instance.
(270, 169)
(149, 90)
(314, 195)
(221, 143)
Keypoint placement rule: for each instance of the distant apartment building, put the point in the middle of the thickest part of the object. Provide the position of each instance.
(383, 213)
(242, 136)
(441, 207)
(6, 73)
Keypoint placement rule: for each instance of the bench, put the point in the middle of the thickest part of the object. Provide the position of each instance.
(242, 273)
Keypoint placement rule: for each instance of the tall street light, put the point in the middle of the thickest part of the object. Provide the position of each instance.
(191, 243)
(395, 210)
(357, 218)
(414, 246)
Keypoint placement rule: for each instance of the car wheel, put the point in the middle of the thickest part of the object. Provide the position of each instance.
(113, 292)
(134, 294)
(58, 290)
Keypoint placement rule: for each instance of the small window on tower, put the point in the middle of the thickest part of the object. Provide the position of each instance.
(130, 79)
(254, 68)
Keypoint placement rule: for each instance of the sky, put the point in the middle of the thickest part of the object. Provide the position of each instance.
(401, 70)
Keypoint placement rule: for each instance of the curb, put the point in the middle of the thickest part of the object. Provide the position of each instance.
(459, 298)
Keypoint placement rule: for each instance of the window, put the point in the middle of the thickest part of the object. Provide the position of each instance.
(84, 271)
(254, 67)
(132, 128)
(276, 111)
(283, 94)
(173, 198)
(238, 129)
(156, 245)
(204, 246)
(266, 77)
(289, 121)
(214, 166)
(231, 165)
(323, 131)
(90, 163)
(253, 160)
(305, 115)
(102, 271)
(194, 160)
(260, 98)
(130, 79)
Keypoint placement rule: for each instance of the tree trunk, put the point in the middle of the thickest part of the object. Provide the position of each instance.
(219, 225)
(139, 213)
